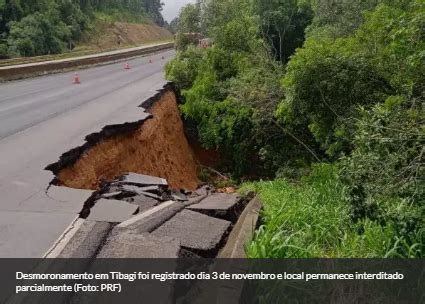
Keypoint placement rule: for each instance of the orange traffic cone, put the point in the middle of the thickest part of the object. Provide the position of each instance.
(127, 66)
(77, 78)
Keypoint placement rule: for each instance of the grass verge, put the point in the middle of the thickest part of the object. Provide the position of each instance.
(312, 219)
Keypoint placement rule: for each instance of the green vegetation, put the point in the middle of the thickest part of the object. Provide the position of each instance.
(43, 27)
(312, 219)
(326, 96)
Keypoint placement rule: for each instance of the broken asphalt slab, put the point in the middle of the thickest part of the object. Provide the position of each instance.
(166, 230)
(112, 211)
(130, 190)
(141, 180)
(144, 202)
(126, 243)
(220, 205)
(152, 218)
(195, 231)
(217, 201)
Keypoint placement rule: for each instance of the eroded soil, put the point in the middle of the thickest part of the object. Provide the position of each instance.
(158, 148)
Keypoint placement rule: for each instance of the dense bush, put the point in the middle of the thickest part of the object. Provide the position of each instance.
(40, 27)
(385, 172)
(4, 52)
(352, 95)
(36, 35)
(324, 85)
(185, 68)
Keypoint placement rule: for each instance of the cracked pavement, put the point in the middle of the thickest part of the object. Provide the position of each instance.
(43, 117)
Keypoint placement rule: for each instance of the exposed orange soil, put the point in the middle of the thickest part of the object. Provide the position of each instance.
(106, 35)
(159, 148)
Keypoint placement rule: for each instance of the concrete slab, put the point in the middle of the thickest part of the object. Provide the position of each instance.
(142, 180)
(195, 230)
(126, 244)
(151, 195)
(218, 201)
(152, 218)
(112, 211)
(144, 202)
(221, 205)
(87, 240)
(150, 188)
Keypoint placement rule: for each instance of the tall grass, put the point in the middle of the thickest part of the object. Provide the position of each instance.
(312, 219)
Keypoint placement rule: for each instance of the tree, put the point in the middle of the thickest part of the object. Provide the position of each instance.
(174, 25)
(324, 84)
(190, 19)
(71, 14)
(10, 10)
(336, 18)
(283, 24)
(37, 34)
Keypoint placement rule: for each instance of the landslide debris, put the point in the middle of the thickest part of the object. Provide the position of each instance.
(141, 205)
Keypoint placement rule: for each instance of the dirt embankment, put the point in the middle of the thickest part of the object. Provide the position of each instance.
(106, 35)
(159, 148)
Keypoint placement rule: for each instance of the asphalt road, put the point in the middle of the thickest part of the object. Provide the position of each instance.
(43, 117)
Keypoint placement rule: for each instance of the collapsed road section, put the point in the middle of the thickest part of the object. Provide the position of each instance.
(155, 145)
(138, 216)
(148, 202)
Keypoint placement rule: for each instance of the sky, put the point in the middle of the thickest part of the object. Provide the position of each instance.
(172, 8)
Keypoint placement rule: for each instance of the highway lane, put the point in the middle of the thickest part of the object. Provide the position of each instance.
(43, 117)
(28, 102)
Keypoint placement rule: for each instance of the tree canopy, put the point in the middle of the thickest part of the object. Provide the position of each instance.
(39, 27)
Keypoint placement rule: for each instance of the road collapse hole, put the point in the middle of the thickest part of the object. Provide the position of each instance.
(156, 146)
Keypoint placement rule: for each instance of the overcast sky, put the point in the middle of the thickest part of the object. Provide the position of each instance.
(172, 8)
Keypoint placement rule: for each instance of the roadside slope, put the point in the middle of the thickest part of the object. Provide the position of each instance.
(105, 35)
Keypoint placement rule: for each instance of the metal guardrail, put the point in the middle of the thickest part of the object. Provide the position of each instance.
(39, 68)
